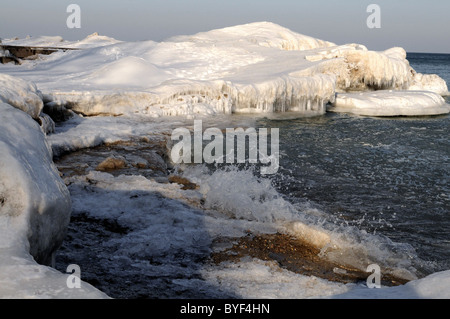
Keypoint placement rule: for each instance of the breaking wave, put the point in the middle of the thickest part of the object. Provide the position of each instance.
(242, 195)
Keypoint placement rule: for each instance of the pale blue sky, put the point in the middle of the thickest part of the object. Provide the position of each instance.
(417, 26)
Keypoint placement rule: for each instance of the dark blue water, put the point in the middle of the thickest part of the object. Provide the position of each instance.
(388, 176)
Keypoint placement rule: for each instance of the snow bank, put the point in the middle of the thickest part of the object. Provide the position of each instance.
(129, 71)
(35, 201)
(391, 103)
(35, 209)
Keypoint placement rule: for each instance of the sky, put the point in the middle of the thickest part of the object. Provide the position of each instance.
(417, 26)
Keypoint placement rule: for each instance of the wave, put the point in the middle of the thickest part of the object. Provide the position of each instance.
(239, 194)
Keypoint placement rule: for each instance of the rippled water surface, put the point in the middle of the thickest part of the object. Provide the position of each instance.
(386, 176)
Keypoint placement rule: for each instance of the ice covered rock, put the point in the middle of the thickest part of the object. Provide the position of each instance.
(391, 103)
(112, 163)
(429, 82)
(35, 209)
(21, 94)
(359, 69)
(47, 123)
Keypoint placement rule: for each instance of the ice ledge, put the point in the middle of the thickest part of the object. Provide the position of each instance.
(391, 103)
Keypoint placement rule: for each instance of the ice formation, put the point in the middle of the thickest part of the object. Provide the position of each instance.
(391, 103)
(257, 67)
(35, 208)
(429, 82)
(21, 94)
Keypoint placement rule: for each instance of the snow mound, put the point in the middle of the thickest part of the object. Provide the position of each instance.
(391, 103)
(21, 94)
(92, 41)
(129, 71)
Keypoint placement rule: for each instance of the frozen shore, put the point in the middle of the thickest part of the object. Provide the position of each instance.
(253, 68)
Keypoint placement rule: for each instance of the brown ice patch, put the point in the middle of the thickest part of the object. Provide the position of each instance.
(186, 184)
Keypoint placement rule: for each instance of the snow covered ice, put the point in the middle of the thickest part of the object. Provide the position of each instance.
(391, 103)
(144, 88)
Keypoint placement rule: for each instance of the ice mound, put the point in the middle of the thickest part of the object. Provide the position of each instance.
(92, 40)
(358, 69)
(391, 103)
(35, 208)
(129, 71)
(34, 201)
(21, 94)
(264, 34)
(429, 82)
(252, 68)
